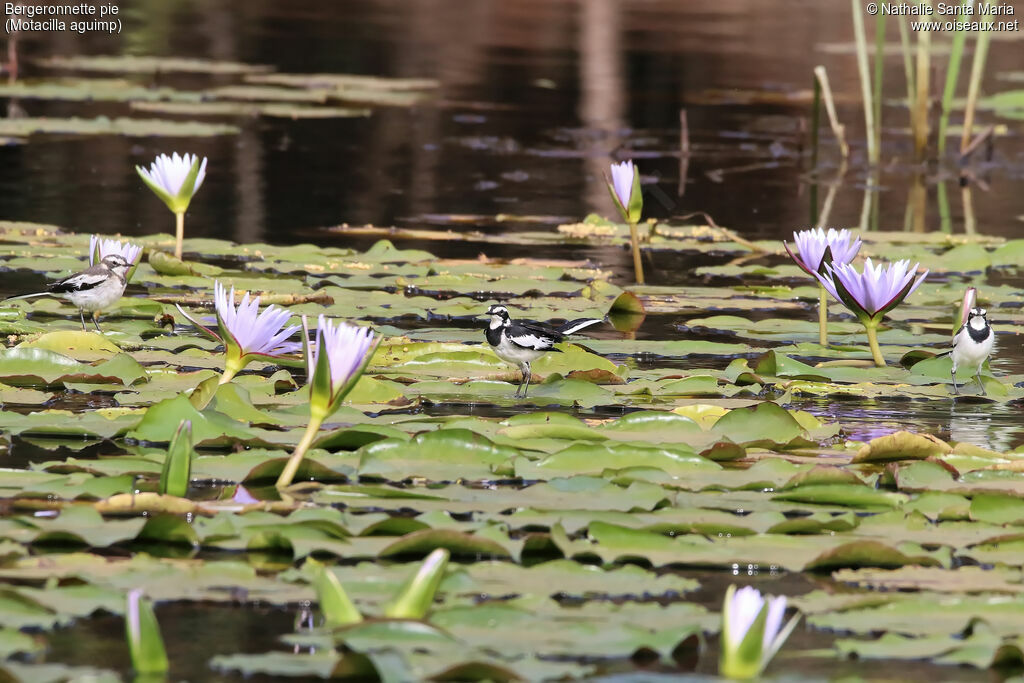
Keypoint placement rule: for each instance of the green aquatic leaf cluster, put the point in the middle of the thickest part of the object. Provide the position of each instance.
(235, 91)
(641, 461)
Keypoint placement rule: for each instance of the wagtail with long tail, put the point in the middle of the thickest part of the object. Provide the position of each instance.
(972, 345)
(521, 343)
(93, 289)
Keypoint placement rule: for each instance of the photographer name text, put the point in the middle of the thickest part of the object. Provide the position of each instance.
(979, 16)
(943, 9)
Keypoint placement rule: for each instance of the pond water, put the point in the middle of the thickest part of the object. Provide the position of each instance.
(535, 98)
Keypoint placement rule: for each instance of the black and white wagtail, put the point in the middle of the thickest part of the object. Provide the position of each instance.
(521, 343)
(93, 289)
(972, 344)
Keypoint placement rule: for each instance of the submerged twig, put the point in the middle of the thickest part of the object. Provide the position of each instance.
(266, 298)
(830, 196)
(830, 108)
(730, 234)
(976, 142)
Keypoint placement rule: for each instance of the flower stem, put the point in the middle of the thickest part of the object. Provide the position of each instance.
(638, 266)
(179, 232)
(231, 367)
(292, 466)
(872, 330)
(822, 316)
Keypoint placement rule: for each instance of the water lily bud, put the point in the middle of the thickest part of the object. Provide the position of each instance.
(625, 190)
(752, 632)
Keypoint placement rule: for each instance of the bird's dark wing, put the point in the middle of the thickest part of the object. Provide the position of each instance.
(532, 336)
(90, 278)
(574, 326)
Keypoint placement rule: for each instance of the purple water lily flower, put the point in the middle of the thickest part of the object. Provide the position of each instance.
(245, 331)
(872, 293)
(333, 364)
(346, 347)
(254, 332)
(811, 245)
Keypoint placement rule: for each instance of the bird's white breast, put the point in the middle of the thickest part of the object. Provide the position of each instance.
(102, 296)
(971, 354)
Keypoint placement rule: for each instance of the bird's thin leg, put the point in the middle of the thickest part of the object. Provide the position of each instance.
(527, 373)
(519, 387)
(96, 321)
(952, 373)
(81, 314)
(981, 385)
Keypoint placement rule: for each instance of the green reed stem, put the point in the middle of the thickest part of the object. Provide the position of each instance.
(815, 125)
(292, 466)
(956, 54)
(880, 21)
(822, 315)
(908, 62)
(942, 198)
(974, 87)
(179, 232)
(638, 265)
(921, 98)
(876, 351)
(865, 78)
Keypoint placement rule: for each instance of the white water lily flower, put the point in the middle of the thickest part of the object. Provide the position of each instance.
(811, 245)
(752, 632)
(99, 247)
(175, 179)
(625, 190)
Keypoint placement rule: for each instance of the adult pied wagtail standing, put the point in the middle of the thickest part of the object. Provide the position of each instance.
(93, 289)
(972, 344)
(521, 343)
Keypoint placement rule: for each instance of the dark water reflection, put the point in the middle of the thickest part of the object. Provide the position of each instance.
(536, 97)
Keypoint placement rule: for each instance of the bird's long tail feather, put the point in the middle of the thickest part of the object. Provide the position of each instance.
(574, 326)
(26, 296)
